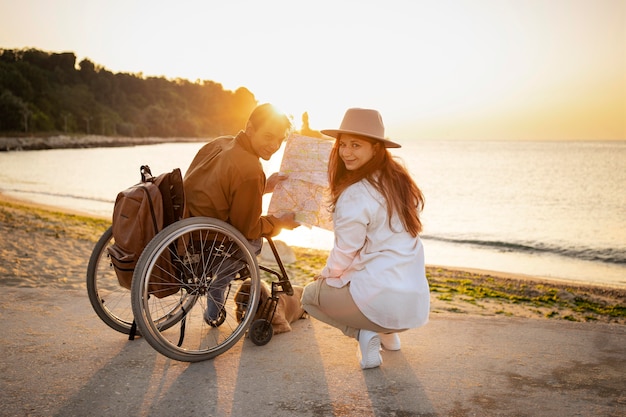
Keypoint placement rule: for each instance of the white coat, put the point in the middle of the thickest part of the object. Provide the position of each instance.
(384, 266)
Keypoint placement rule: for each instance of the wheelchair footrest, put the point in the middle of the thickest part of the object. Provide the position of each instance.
(268, 308)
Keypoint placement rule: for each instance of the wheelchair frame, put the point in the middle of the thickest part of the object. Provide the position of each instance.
(196, 253)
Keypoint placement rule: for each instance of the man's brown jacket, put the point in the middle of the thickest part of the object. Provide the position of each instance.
(226, 181)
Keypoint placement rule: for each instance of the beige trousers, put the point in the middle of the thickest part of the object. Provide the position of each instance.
(335, 306)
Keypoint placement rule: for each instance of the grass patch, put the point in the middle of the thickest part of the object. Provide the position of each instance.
(586, 303)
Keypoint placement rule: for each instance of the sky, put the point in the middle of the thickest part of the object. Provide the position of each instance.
(440, 69)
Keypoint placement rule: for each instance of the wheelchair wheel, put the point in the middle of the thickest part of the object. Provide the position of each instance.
(109, 299)
(207, 259)
(261, 332)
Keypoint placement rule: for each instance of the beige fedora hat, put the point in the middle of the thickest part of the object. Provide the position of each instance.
(363, 122)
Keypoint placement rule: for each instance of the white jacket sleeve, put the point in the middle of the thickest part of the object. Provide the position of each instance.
(351, 218)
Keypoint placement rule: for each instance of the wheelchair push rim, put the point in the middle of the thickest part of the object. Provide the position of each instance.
(201, 257)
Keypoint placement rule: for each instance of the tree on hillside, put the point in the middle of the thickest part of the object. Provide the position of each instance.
(48, 93)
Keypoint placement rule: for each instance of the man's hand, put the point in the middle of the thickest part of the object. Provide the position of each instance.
(287, 221)
(273, 181)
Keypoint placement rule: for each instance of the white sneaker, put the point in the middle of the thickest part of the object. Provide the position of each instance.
(369, 349)
(390, 341)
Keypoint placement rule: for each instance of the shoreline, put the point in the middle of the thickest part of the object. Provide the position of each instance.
(4, 198)
(50, 247)
(35, 143)
(479, 271)
(552, 256)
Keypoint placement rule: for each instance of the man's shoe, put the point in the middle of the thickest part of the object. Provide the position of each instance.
(369, 349)
(390, 341)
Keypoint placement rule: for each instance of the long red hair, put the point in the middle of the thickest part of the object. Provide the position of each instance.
(388, 176)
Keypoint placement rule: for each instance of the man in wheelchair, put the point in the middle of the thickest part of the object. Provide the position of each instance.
(226, 181)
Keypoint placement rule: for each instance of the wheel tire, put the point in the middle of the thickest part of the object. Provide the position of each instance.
(203, 252)
(109, 299)
(261, 332)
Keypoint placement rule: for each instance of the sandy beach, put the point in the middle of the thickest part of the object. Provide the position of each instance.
(43, 247)
(496, 345)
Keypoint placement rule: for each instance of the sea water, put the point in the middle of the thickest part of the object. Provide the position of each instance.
(550, 209)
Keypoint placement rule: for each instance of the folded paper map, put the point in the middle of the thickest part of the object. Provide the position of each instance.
(305, 192)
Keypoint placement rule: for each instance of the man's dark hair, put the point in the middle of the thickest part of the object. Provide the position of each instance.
(267, 113)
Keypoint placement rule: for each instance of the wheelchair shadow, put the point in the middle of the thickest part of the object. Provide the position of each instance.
(311, 371)
(127, 384)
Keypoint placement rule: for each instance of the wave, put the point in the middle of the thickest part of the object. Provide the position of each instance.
(616, 256)
(605, 255)
(59, 195)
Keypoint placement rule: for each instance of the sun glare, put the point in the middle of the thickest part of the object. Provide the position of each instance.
(437, 70)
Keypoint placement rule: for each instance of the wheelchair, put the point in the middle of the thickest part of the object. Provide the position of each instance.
(110, 301)
(202, 263)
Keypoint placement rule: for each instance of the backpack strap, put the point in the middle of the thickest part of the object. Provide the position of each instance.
(168, 207)
(152, 213)
(172, 189)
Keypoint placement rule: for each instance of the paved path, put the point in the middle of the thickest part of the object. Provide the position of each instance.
(58, 359)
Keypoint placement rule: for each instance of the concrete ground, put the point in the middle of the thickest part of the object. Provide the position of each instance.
(58, 359)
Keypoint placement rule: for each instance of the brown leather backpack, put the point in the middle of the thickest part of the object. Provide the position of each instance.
(139, 213)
